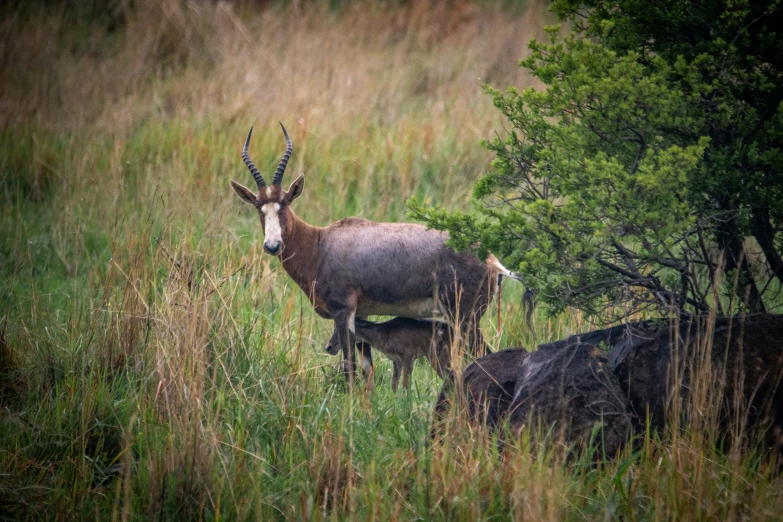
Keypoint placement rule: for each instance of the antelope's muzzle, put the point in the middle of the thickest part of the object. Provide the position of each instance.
(272, 248)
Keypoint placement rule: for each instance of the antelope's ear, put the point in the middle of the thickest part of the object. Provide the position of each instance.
(244, 193)
(296, 188)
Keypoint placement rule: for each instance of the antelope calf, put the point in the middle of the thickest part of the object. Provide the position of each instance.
(403, 340)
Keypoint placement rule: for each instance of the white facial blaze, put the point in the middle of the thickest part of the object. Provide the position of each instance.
(272, 234)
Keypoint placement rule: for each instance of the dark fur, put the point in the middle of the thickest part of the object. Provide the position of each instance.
(488, 384)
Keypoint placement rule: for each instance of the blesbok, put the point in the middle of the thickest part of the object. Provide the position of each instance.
(403, 340)
(357, 268)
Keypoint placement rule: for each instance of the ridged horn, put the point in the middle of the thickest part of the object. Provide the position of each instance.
(253, 170)
(283, 162)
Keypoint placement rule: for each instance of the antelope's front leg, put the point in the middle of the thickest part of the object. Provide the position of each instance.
(344, 336)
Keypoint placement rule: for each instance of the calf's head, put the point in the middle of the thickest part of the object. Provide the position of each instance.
(333, 346)
(271, 201)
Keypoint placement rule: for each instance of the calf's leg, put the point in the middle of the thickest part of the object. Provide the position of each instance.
(365, 360)
(407, 371)
(396, 375)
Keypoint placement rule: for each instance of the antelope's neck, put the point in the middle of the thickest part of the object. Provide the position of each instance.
(300, 255)
(375, 335)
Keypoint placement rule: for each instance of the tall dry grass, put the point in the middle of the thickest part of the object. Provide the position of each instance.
(154, 363)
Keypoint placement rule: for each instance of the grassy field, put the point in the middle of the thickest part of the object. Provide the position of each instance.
(156, 364)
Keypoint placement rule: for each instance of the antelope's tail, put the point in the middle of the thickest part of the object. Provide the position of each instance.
(527, 298)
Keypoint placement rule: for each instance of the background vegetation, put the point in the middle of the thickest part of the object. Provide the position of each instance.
(647, 167)
(155, 363)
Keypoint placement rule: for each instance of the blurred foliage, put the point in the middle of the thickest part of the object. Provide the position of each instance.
(109, 14)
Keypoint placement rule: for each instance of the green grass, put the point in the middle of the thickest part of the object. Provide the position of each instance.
(145, 333)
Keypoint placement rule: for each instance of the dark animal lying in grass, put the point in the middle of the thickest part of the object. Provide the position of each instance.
(404, 340)
(740, 357)
(571, 387)
(572, 395)
(734, 364)
(489, 384)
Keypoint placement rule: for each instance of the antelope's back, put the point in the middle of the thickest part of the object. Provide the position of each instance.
(391, 266)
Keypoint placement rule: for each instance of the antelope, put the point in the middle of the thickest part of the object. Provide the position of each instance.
(355, 268)
(403, 340)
